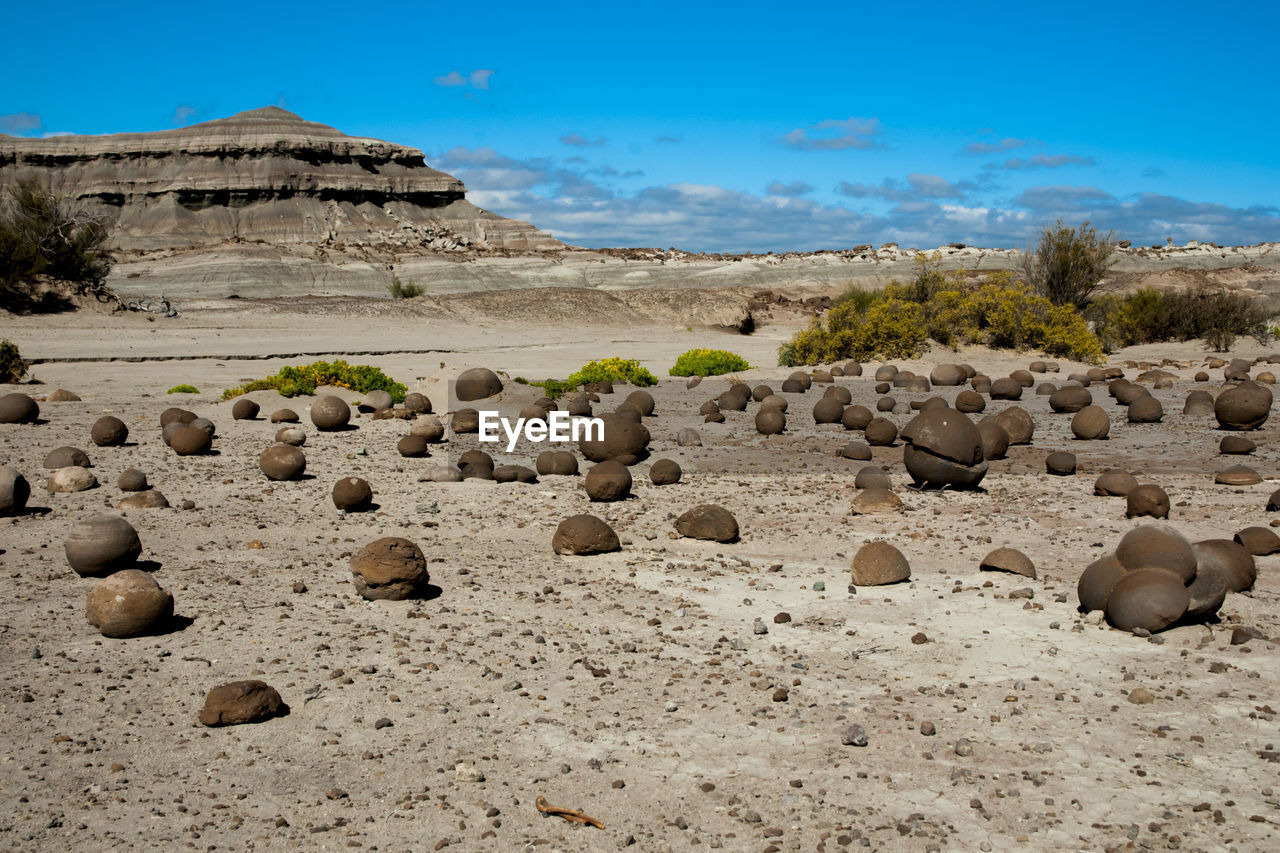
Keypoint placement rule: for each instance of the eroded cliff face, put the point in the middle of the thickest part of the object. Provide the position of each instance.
(264, 176)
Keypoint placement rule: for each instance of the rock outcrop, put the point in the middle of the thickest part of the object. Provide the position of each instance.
(264, 176)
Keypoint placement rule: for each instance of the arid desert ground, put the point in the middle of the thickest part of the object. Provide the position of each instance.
(634, 687)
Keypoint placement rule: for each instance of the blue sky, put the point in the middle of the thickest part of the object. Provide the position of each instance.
(726, 127)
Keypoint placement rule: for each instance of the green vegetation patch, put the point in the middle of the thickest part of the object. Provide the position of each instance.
(183, 389)
(294, 381)
(708, 362)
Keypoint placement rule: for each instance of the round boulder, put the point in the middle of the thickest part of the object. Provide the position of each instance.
(944, 448)
(244, 409)
(771, 421)
(621, 440)
(282, 462)
(514, 474)
(875, 501)
(109, 431)
(1091, 424)
(970, 402)
(101, 545)
(352, 494)
(1236, 445)
(1237, 475)
(1018, 424)
(132, 480)
(1008, 560)
(689, 437)
(1198, 403)
(881, 432)
(879, 563)
(1145, 410)
(15, 491)
(1258, 541)
(241, 702)
(477, 383)
(710, 522)
(948, 374)
(18, 408)
(558, 462)
(856, 417)
(1147, 500)
(330, 413)
(665, 472)
(476, 465)
(65, 457)
(859, 451)
(1114, 484)
(73, 478)
(1152, 599)
(1097, 580)
(378, 399)
(412, 446)
(1230, 559)
(429, 427)
(995, 441)
(582, 535)
(643, 400)
(390, 568)
(872, 477)
(1060, 463)
(1070, 399)
(608, 481)
(1157, 546)
(189, 440)
(284, 416)
(294, 435)
(127, 603)
(1006, 389)
(417, 403)
(1245, 406)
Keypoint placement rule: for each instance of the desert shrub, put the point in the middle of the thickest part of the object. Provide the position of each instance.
(1149, 315)
(708, 362)
(1000, 313)
(12, 367)
(612, 370)
(400, 290)
(1068, 264)
(183, 389)
(293, 381)
(41, 235)
(860, 296)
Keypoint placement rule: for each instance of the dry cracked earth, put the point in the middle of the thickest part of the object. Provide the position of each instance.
(685, 694)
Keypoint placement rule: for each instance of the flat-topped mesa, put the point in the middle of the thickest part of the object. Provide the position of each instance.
(265, 175)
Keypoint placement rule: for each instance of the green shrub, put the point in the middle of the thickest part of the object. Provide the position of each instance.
(1149, 315)
(12, 367)
(42, 236)
(708, 362)
(859, 296)
(612, 370)
(399, 290)
(1068, 264)
(183, 389)
(293, 381)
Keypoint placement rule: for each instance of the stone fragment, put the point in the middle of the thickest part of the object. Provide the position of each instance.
(241, 702)
(127, 603)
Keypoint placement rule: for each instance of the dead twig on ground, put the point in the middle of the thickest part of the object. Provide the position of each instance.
(568, 814)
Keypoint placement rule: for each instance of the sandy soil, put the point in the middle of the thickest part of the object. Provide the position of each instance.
(631, 686)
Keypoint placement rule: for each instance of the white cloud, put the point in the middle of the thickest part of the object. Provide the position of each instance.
(1043, 161)
(859, 133)
(577, 140)
(478, 79)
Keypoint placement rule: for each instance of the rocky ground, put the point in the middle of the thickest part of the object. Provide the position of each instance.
(634, 687)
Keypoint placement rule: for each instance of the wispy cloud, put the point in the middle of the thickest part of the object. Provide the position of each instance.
(478, 79)
(577, 140)
(667, 140)
(795, 188)
(21, 124)
(918, 186)
(1042, 161)
(835, 135)
(184, 113)
(1009, 143)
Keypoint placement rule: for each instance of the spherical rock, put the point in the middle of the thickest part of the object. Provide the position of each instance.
(1148, 499)
(284, 416)
(352, 494)
(1070, 399)
(477, 383)
(18, 408)
(822, 377)
(465, 421)
(417, 403)
(1152, 599)
(879, 563)
(856, 417)
(515, 474)
(885, 404)
(1236, 444)
(995, 441)
(665, 472)
(689, 437)
(881, 432)
(734, 401)
(886, 373)
(146, 499)
(127, 603)
(1258, 541)
(1060, 463)
(1097, 580)
(1018, 424)
(412, 446)
(476, 465)
(841, 393)
(244, 409)
(1127, 393)
(859, 451)
(1246, 406)
(643, 400)
(1237, 475)
(62, 395)
(1145, 410)
(771, 421)
(378, 399)
(282, 462)
(1157, 546)
(708, 521)
(132, 480)
(330, 413)
(1207, 592)
(1038, 367)
(442, 474)
(944, 448)
(1008, 560)
(792, 386)
(429, 427)
(189, 441)
(101, 545)
(294, 435)
(109, 431)
(1198, 403)
(1114, 484)
(241, 702)
(65, 457)
(71, 479)
(621, 440)
(875, 501)
(948, 374)
(803, 378)
(872, 477)
(629, 412)
(608, 481)
(828, 410)
(852, 368)
(175, 415)
(15, 491)
(582, 535)
(1229, 558)
(557, 462)
(1091, 424)
(1006, 389)
(970, 402)
(391, 568)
